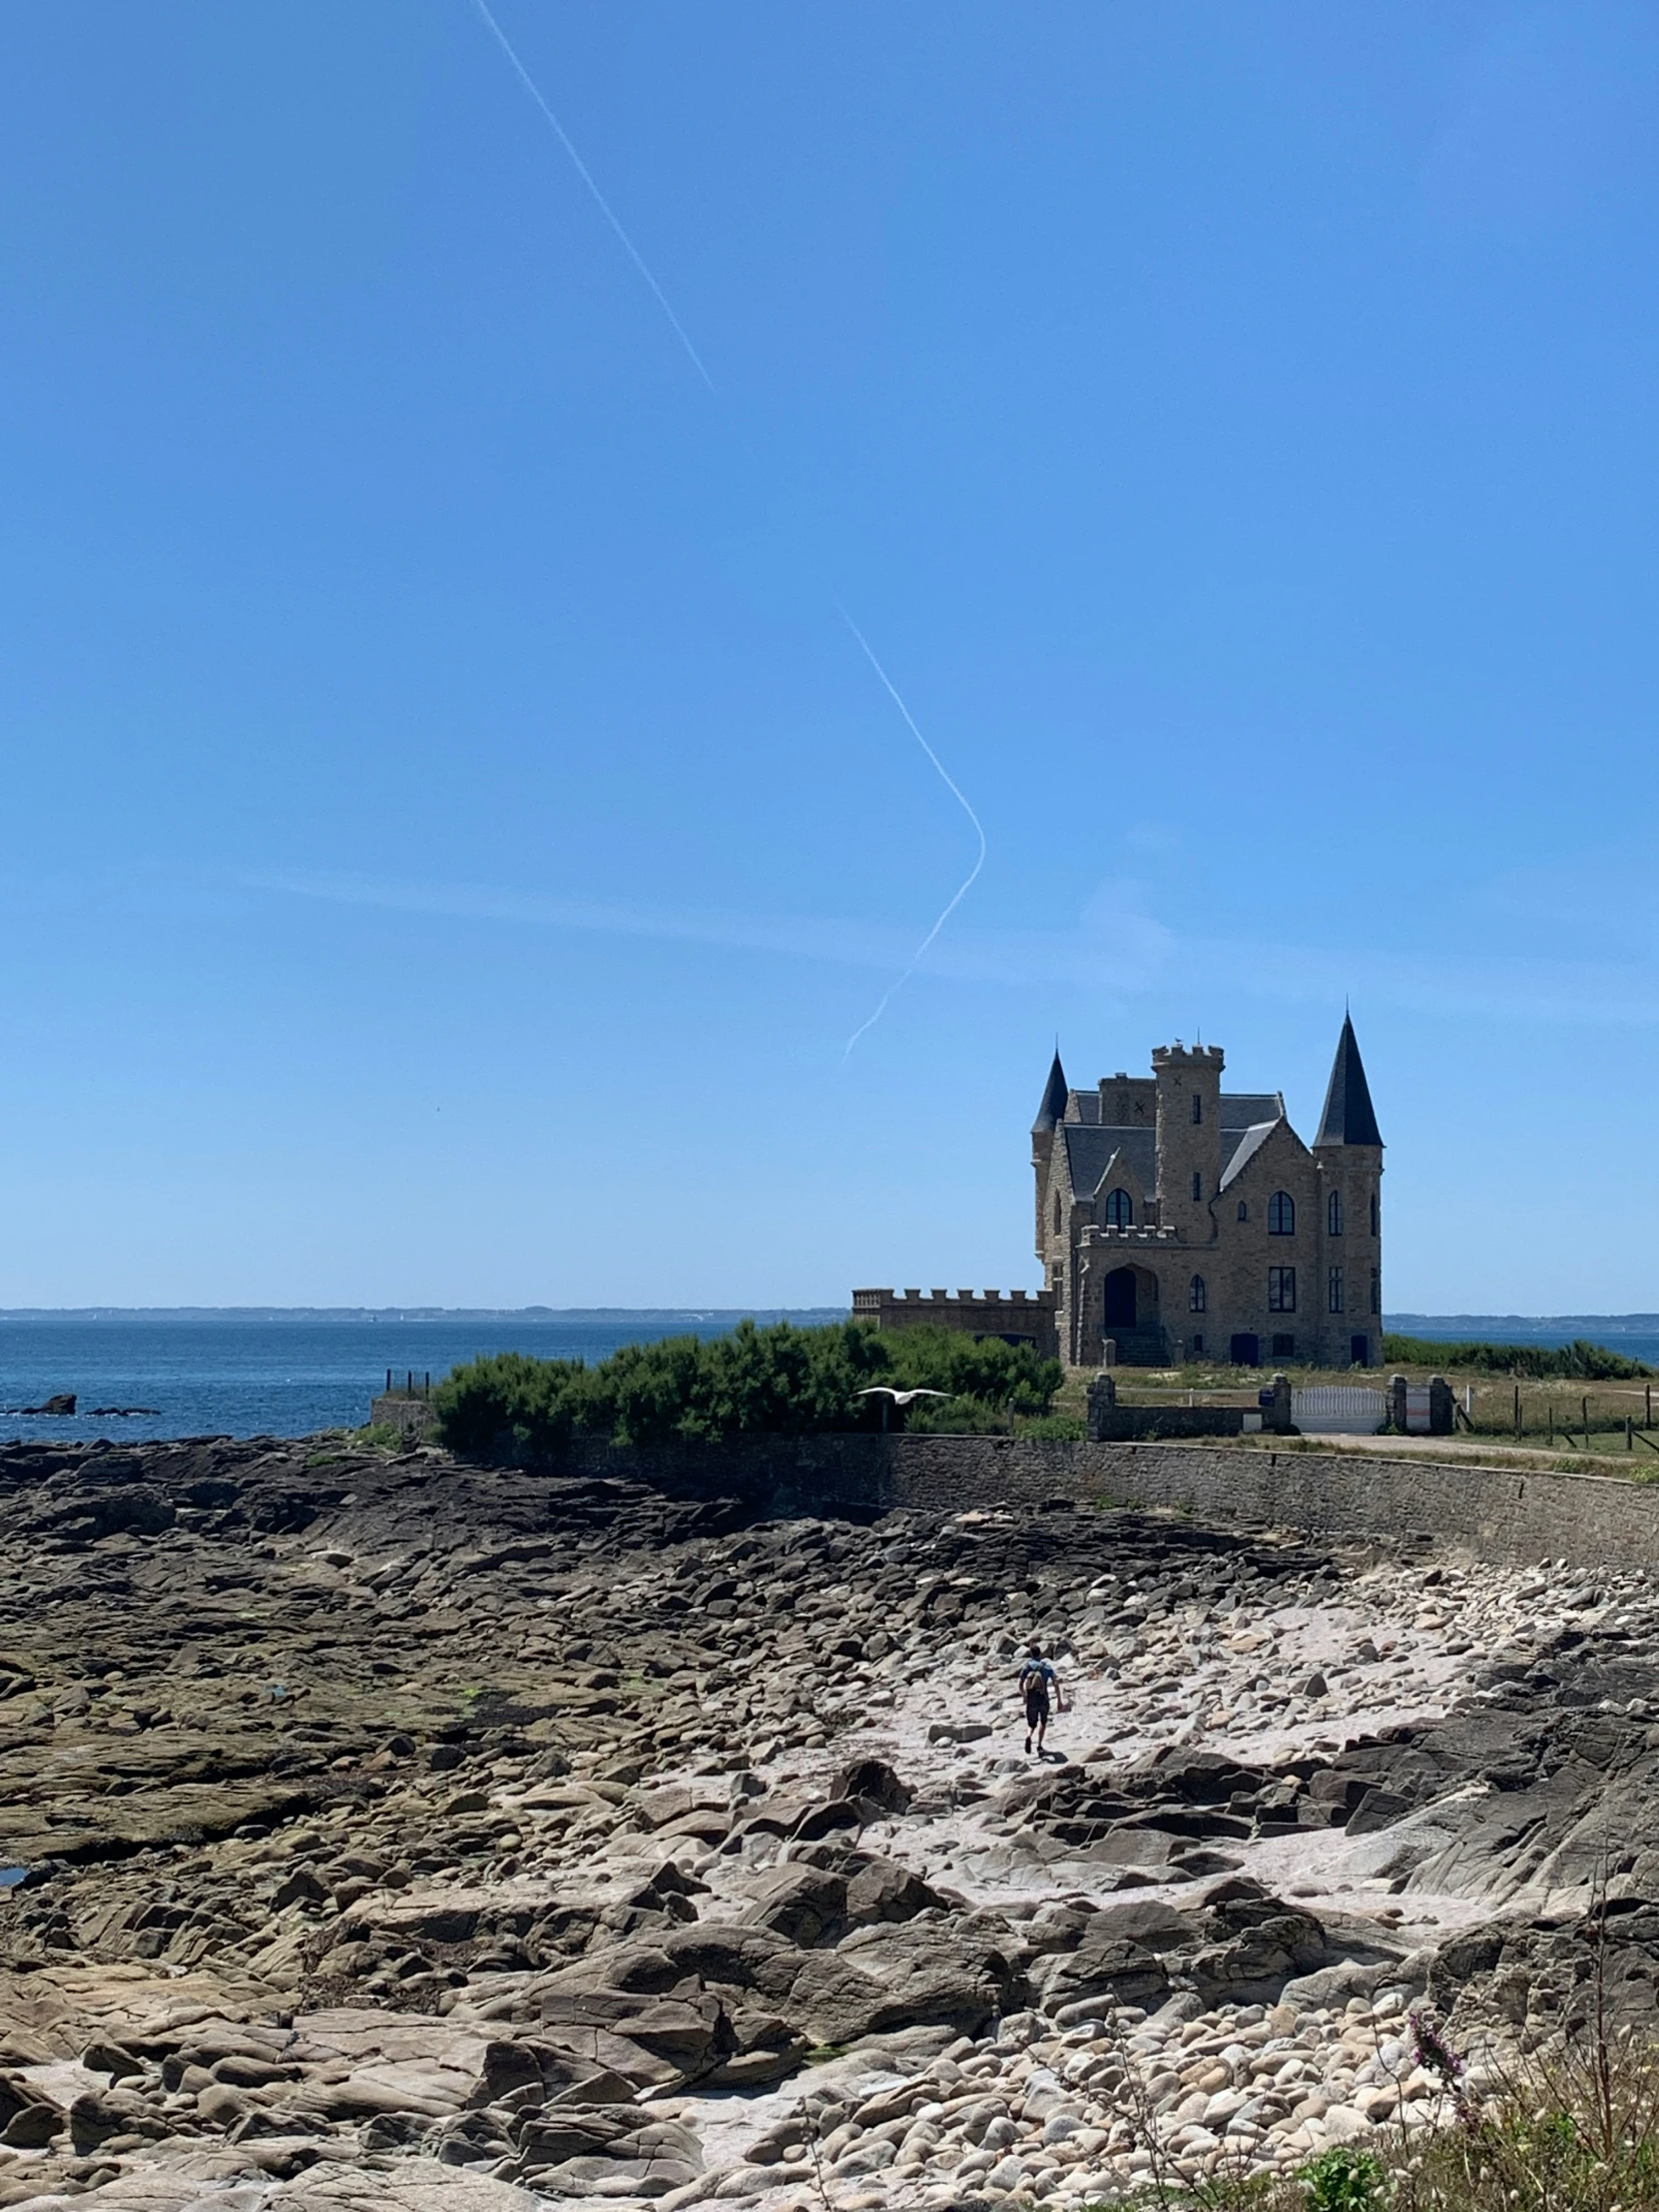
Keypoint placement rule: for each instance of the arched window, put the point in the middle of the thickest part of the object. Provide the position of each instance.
(1198, 1105)
(1334, 1219)
(1243, 1210)
(1196, 1295)
(1281, 1215)
(1057, 1212)
(1120, 1208)
(1376, 1214)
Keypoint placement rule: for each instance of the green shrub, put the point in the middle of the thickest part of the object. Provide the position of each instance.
(536, 1402)
(1343, 2179)
(777, 1381)
(1060, 1428)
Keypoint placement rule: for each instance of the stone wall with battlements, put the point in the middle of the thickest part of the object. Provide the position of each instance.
(1019, 1316)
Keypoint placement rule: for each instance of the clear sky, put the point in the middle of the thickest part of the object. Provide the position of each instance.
(452, 832)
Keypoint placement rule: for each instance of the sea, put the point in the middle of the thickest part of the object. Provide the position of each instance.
(283, 1370)
(142, 1373)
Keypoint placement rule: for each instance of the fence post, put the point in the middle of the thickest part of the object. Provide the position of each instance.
(1518, 1413)
(1282, 1404)
(1102, 1404)
(1629, 1439)
(1397, 1404)
(1584, 1408)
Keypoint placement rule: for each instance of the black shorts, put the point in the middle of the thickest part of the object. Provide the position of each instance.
(1036, 1705)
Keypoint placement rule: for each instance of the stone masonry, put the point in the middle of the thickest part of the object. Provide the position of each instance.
(1178, 1221)
(1017, 1316)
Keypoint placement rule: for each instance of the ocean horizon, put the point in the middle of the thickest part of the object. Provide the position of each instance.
(147, 1372)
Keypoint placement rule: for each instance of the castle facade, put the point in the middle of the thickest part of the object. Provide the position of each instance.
(1178, 1221)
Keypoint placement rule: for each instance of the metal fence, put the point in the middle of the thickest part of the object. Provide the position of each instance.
(1342, 1410)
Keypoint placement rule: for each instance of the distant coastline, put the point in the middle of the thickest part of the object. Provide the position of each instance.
(1501, 1327)
(1523, 1328)
(324, 1317)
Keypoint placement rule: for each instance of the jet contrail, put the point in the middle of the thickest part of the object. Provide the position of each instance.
(696, 359)
(600, 200)
(966, 884)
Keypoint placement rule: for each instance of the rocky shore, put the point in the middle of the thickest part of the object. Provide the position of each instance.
(396, 1832)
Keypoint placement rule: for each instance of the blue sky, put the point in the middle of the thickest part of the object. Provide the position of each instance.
(453, 831)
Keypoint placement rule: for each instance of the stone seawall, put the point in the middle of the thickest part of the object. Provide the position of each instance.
(1507, 1515)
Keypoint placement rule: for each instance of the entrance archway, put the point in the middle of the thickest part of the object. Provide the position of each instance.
(1119, 1309)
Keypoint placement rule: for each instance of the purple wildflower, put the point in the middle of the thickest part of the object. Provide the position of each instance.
(1433, 2053)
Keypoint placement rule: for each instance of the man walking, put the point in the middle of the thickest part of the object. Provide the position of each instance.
(1036, 1678)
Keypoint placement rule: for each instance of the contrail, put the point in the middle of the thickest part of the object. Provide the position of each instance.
(696, 359)
(603, 205)
(951, 786)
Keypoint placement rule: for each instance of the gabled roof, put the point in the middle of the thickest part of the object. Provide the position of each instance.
(1247, 1109)
(1348, 1116)
(1249, 1143)
(1089, 1152)
(1052, 1111)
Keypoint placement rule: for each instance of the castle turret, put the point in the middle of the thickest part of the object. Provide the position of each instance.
(1348, 1151)
(1188, 1081)
(1050, 1114)
(1349, 1117)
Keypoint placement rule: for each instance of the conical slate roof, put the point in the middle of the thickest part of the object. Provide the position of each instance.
(1349, 1117)
(1052, 1111)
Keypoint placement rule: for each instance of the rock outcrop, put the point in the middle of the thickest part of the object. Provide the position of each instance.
(393, 1831)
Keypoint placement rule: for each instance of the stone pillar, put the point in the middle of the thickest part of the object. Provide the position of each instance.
(1441, 1418)
(1397, 1404)
(1109, 1353)
(1103, 1399)
(1278, 1416)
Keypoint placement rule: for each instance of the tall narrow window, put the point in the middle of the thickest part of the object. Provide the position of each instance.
(1198, 1187)
(1281, 1215)
(1281, 1289)
(1057, 1212)
(1377, 1290)
(1334, 1290)
(1334, 1217)
(1198, 1105)
(1375, 1215)
(1197, 1296)
(1120, 1208)
(1243, 1210)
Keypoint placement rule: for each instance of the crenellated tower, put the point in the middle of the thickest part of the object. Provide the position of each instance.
(1188, 1080)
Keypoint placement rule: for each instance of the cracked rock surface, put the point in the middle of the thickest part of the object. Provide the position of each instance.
(401, 1832)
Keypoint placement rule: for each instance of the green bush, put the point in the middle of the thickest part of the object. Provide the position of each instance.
(1343, 2179)
(1578, 1361)
(777, 1381)
(1065, 1429)
(536, 1402)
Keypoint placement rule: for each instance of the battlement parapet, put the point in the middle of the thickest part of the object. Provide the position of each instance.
(1018, 1317)
(1147, 1235)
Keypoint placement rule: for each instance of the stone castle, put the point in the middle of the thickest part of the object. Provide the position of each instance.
(1176, 1220)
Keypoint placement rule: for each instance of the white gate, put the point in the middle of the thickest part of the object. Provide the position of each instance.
(1341, 1410)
